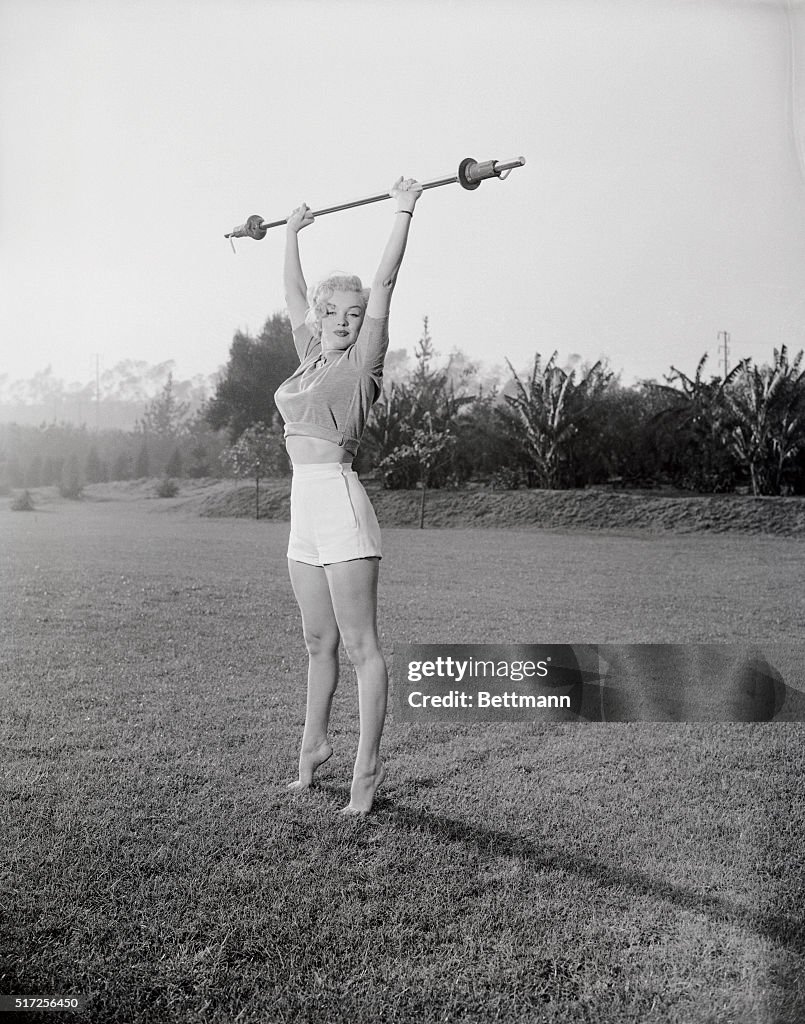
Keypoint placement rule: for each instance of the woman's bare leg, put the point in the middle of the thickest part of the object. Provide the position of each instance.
(353, 589)
(312, 592)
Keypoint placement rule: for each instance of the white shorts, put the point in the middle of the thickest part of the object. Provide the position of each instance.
(332, 519)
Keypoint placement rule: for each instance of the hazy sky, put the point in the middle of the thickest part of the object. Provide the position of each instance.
(663, 199)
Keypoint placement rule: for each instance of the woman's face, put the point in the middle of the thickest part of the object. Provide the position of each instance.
(342, 319)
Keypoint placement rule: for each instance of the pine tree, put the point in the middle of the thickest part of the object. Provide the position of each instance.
(72, 483)
(141, 466)
(121, 469)
(174, 466)
(93, 468)
(256, 368)
(33, 474)
(164, 415)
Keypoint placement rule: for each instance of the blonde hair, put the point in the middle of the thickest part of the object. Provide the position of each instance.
(319, 294)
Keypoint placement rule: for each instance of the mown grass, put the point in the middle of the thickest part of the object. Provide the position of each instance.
(152, 704)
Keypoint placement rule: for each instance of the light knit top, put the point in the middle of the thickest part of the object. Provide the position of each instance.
(331, 394)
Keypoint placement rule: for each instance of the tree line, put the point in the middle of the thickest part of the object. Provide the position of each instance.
(167, 441)
(551, 427)
(441, 425)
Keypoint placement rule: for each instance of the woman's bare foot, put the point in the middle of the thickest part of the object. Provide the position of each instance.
(309, 760)
(364, 787)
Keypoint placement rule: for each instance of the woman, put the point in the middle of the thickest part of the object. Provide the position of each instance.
(341, 337)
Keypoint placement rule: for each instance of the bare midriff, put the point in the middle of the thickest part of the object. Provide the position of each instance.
(303, 451)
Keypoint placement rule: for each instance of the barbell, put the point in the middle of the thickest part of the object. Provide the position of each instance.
(470, 174)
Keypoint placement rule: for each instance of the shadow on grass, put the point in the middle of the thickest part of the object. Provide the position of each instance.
(786, 930)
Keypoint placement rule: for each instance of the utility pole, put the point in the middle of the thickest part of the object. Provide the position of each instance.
(724, 340)
(97, 392)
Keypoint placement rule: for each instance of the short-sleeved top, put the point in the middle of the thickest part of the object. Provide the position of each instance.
(331, 394)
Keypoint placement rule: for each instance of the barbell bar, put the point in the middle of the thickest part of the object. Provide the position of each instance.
(470, 174)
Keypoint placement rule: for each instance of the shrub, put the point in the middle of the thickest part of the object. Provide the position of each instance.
(23, 502)
(507, 478)
(167, 488)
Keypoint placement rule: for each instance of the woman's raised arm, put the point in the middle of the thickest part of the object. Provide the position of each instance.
(406, 191)
(295, 287)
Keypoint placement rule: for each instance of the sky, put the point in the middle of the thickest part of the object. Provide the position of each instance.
(662, 200)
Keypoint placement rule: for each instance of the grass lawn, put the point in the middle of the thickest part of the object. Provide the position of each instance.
(152, 700)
